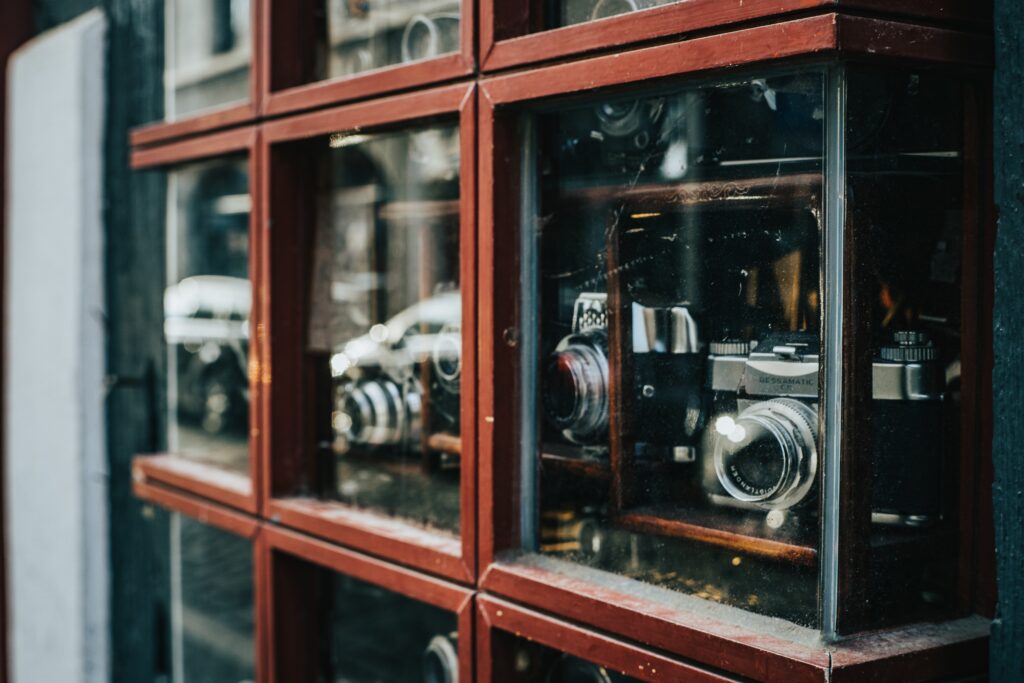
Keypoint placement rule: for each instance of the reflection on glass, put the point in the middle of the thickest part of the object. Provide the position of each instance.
(679, 316)
(208, 54)
(206, 312)
(367, 34)
(568, 12)
(532, 662)
(905, 176)
(211, 604)
(378, 636)
(386, 320)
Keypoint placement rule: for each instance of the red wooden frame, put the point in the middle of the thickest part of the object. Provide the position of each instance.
(231, 522)
(640, 613)
(498, 619)
(219, 117)
(284, 274)
(506, 39)
(426, 589)
(224, 486)
(287, 49)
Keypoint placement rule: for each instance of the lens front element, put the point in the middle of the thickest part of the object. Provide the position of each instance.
(768, 454)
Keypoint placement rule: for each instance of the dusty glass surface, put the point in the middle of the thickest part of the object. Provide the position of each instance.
(378, 636)
(211, 605)
(385, 323)
(677, 239)
(206, 312)
(906, 185)
(567, 12)
(368, 34)
(208, 52)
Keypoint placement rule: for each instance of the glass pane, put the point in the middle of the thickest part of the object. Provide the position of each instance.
(206, 312)
(386, 321)
(211, 604)
(367, 34)
(905, 180)
(678, 239)
(524, 661)
(567, 12)
(382, 637)
(208, 54)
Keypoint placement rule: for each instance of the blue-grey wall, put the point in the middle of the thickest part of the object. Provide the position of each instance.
(1008, 376)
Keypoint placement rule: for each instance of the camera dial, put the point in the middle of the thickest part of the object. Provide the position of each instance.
(767, 455)
(441, 661)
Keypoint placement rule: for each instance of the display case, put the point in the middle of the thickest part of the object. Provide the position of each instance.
(211, 379)
(345, 617)
(655, 348)
(733, 319)
(371, 327)
(330, 51)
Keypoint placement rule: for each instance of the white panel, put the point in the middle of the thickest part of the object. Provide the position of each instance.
(56, 474)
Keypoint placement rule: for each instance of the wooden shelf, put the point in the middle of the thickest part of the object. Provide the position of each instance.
(568, 460)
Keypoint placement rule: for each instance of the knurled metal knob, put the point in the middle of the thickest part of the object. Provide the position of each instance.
(730, 347)
(911, 346)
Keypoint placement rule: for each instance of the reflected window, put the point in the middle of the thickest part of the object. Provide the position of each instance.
(211, 605)
(367, 34)
(386, 322)
(206, 307)
(208, 55)
(568, 12)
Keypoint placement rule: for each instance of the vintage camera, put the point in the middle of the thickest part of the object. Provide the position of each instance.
(668, 376)
(440, 662)
(401, 380)
(763, 450)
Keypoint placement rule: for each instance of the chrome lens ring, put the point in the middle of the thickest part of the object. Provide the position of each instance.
(579, 405)
(447, 358)
(792, 427)
(440, 661)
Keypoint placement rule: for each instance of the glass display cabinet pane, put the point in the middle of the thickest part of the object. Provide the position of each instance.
(211, 604)
(208, 52)
(906, 206)
(378, 636)
(385, 325)
(206, 312)
(531, 662)
(368, 34)
(568, 12)
(678, 309)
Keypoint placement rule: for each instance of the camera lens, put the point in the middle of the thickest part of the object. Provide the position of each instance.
(447, 357)
(440, 661)
(576, 390)
(379, 413)
(768, 454)
(620, 118)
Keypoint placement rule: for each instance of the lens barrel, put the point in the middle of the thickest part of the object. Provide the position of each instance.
(576, 388)
(767, 455)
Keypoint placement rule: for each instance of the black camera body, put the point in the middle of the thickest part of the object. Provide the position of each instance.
(761, 448)
(668, 372)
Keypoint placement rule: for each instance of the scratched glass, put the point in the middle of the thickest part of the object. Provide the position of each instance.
(568, 12)
(206, 312)
(211, 604)
(678, 240)
(368, 34)
(906, 198)
(379, 636)
(208, 52)
(385, 325)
